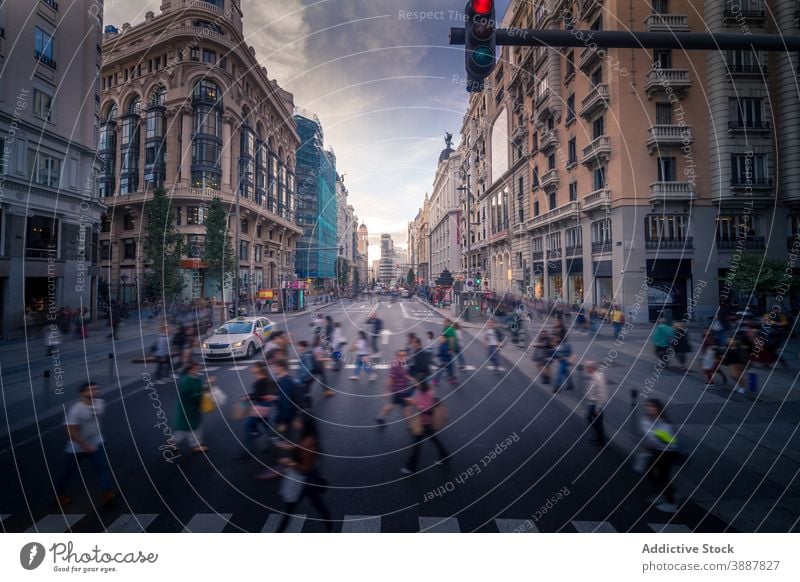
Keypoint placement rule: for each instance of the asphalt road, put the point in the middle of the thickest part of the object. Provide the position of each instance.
(548, 477)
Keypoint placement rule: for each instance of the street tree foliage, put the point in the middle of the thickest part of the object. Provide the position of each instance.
(342, 271)
(410, 278)
(756, 275)
(163, 249)
(218, 254)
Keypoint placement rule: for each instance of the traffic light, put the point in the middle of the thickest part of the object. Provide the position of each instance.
(479, 42)
(477, 282)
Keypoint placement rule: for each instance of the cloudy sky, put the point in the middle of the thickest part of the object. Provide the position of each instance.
(379, 76)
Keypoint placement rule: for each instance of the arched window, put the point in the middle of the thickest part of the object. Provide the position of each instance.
(262, 160)
(206, 135)
(129, 174)
(290, 193)
(217, 3)
(282, 188)
(107, 153)
(155, 143)
(247, 157)
(272, 185)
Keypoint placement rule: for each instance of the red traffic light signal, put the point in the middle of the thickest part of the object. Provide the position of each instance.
(479, 42)
(482, 7)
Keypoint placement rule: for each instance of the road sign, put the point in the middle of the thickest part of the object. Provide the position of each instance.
(470, 283)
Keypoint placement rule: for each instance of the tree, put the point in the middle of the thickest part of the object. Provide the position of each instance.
(754, 274)
(410, 278)
(356, 280)
(342, 272)
(163, 249)
(218, 254)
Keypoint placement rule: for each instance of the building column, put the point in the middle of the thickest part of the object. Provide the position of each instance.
(186, 147)
(226, 152)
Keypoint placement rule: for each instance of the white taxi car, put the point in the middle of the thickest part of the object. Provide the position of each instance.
(239, 337)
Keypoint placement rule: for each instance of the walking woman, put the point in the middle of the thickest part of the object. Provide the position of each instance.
(422, 405)
(361, 348)
(661, 446)
(189, 413)
(303, 478)
(735, 360)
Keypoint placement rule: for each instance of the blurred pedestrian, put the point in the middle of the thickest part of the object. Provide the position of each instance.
(446, 357)
(161, 353)
(421, 420)
(397, 388)
(681, 343)
(338, 342)
(258, 405)
(189, 414)
(85, 442)
(596, 400)
(361, 349)
(494, 340)
(662, 338)
(661, 446)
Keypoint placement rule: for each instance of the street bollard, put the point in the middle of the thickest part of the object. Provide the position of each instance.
(110, 367)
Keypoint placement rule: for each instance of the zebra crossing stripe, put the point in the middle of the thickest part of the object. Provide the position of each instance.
(239, 367)
(593, 527)
(439, 525)
(212, 369)
(516, 526)
(361, 524)
(469, 368)
(274, 520)
(56, 523)
(207, 523)
(4, 516)
(669, 528)
(132, 523)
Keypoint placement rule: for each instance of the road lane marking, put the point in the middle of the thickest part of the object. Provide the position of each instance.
(361, 524)
(669, 528)
(239, 368)
(296, 523)
(439, 525)
(593, 527)
(208, 523)
(56, 523)
(132, 523)
(516, 526)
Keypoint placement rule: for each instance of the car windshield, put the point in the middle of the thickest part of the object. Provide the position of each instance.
(235, 328)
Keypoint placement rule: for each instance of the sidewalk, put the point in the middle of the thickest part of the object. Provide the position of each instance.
(744, 450)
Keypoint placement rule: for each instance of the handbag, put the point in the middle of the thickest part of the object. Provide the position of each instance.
(207, 403)
(440, 415)
(415, 424)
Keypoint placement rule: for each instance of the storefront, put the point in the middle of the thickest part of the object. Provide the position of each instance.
(555, 279)
(668, 292)
(575, 281)
(537, 280)
(603, 283)
(293, 295)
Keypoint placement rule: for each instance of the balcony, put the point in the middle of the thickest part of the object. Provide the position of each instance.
(749, 127)
(666, 23)
(599, 199)
(520, 132)
(661, 192)
(670, 244)
(668, 136)
(735, 16)
(574, 251)
(537, 255)
(597, 152)
(663, 80)
(596, 100)
(589, 57)
(44, 59)
(540, 56)
(542, 98)
(553, 254)
(744, 183)
(744, 71)
(601, 247)
(588, 8)
(548, 140)
(52, 4)
(549, 180)
(568, 211)
(547, 104)
(749, 243)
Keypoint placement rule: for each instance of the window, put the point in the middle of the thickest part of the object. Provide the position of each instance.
(536, 246)
(573, 191)
(666, 169)
(551, 200)
(42, 105)
(744, 61)
(748, 112)
(660, 6)
(128, 221)
(599, 178)
(535, 177)
(105, 250)
(662, 59)
(247, 166)
(597, 76)
(244, 250)
(572, 152)
(570, 64)
(105, 224)
(194, 54)
(573, 237)
(129, 249)
(107, 153)
(129, 174)
(245, 225)
(196, 215)
(41, 237)
(43, 47)
(257, 253)
(207, 138)
(731, 228)
(536, 208)
(598, 23)
(553, 241)
(601, 231)
(44, 169)
(663, 113)
(598, 127)
(570, 107)
(666, 227)
(551, 162)
(2, 156)
(195, 246)
(178, 215)
(209, 57)
(749, 169)
(155, 140)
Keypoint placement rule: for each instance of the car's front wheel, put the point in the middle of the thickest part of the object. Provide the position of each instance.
(251, 350)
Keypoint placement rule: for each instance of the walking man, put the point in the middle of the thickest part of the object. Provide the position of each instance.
(596, 399)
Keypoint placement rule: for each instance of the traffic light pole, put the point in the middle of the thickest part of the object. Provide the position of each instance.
(644, 40)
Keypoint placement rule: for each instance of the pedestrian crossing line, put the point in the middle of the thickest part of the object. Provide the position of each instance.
(132, 523)
(468, 368)
(296, 523)
(361, 524)
(211, 368)
(516, 526)
(208, 523)
(593, 527)
(239, 367)
(56, 523)
(438, 525)
(4, 516)
(669, 528)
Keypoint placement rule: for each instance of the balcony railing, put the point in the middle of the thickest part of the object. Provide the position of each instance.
(550, 180)
(671, 191)
(597, 151)
(537, 255)
(660, 80)
(666, 23)
(574, 250)
(542, 98)
(52, 4)
(549, 140)
(750, 126)
(565, 212)
(733, 15)
(587, 8)
(597, 199)
(601, 247)
(748, 70)
(660, 136)
(44, 59)
(753, 242)
(596, 100)
(520, 132)
(553, 254)
(32, 253)
(686, 243)
(589, 57)
(744, 183)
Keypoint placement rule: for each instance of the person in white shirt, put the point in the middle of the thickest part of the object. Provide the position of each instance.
(85, 442)
(596, 400)
(338, 341)
(493, 343)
